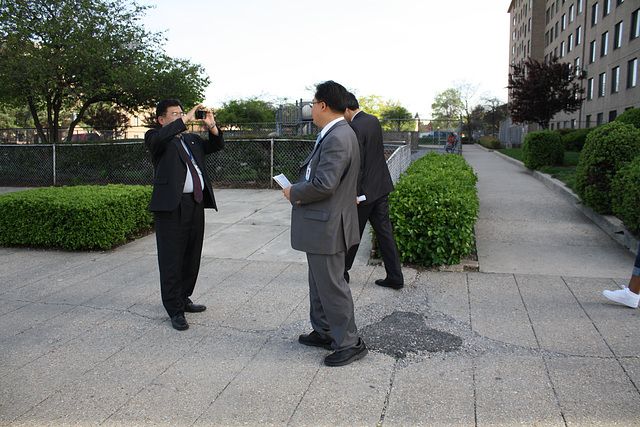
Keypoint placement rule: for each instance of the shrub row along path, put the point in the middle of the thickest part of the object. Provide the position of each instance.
(528, 339)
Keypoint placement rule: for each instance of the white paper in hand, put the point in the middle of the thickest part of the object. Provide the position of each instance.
(282, 180)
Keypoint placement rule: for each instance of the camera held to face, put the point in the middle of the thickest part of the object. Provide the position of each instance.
(201, 114)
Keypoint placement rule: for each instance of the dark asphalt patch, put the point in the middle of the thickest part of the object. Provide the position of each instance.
(402, 333)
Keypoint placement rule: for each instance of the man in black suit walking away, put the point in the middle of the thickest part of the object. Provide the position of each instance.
(181, 191)
(374, 186)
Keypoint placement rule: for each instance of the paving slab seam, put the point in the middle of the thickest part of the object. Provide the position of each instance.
(303, 395)
(595, 326)
(387, 398)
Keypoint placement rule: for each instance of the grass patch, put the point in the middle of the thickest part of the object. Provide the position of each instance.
(563, 173)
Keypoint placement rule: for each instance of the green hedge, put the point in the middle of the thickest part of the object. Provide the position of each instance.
(625, 195)
(489, 142)
(543, 148)
(74, 218)
(608, 148)
(434, 209)
(630, 117)
(574, 141)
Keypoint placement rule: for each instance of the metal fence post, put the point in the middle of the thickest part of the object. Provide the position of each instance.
(271, 180)
(54, 163)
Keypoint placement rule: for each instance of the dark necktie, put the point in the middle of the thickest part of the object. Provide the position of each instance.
(197, 187)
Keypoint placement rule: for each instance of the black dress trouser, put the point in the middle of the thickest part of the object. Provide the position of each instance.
(179, 237)
(377, 213)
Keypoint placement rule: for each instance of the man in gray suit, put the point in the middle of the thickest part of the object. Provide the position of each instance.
(324, 224)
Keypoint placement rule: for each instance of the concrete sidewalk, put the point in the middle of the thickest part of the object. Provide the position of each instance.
(529, 339)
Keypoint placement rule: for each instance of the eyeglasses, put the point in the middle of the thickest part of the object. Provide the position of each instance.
(316, 102)
(176, 114)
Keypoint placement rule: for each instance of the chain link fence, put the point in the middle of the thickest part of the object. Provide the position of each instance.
(243, 163)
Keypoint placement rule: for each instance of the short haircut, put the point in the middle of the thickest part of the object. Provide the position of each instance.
(333, 94)
(352, 102)
(164, 105)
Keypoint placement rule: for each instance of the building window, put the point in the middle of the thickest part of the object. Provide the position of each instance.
(588, 121)
(617, 37)
(573, 123)
(562, 50)
(592, 52)
(615, 80)
(606, 7)
(570, 43)
(563, 22)
(612, 115)
(580, 6)
(594, 14)
(602, 82)
(571, 13)
(635, 25)
(590, 89)
(604, 44)
(578, 35)
(632, 73)
(576, 65)
(600, 119)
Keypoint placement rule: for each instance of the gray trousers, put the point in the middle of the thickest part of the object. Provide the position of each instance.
(331, 305)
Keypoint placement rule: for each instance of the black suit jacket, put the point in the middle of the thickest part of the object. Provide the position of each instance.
(374, 180)
(170, 169)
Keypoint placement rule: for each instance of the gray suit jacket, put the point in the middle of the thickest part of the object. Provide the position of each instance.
(324, 217)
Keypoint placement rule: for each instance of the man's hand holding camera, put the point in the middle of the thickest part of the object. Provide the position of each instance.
(205, 115)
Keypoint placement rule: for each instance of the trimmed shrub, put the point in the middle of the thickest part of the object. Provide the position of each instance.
(434, 209)
(630, 117)
(543, 148)
(625, 195)
(608, 148)
(489, 142)
(574, 141)
(74, 218)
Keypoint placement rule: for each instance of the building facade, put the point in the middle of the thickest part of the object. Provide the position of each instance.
(601, 37)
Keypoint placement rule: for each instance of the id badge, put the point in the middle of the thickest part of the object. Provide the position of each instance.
(308, 174)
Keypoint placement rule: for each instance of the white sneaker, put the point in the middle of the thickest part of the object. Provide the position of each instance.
(623, 296)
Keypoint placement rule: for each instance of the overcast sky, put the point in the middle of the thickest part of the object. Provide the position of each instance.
(404, 50)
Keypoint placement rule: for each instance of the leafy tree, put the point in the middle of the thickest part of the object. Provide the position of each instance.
(15, 117)
(447, 105)
(496, 112)
(371, 104)
(467, 93)
(251, 110)
(540, 90)
(109, 122)
(66, 55)
(395, 117)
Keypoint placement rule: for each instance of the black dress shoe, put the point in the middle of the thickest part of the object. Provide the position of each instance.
(179, 322)
(344, 357)
(387, 284)
(194, 308)
(315, 340)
